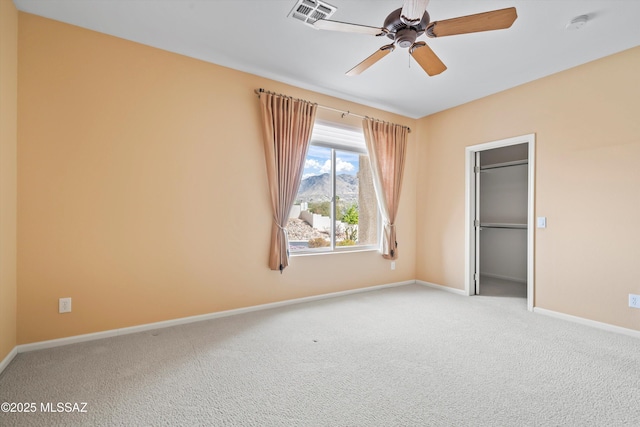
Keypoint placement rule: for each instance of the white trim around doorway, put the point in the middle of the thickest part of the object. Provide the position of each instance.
(469, 192)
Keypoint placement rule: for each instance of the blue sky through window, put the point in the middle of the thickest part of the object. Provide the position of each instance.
(318, 162)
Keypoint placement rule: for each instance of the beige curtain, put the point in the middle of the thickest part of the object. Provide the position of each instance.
(387, 146)
(287, 125)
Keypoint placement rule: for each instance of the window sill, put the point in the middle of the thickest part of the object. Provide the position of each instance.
(335, 252)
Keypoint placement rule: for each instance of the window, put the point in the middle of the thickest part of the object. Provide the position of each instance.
(336, 207)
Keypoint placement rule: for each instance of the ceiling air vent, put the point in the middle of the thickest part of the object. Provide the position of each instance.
(309, 11)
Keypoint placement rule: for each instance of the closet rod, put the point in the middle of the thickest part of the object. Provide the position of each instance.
(504, 225)
(342, 112)
(504, 165)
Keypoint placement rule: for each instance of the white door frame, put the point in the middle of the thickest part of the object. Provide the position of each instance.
(470, 197)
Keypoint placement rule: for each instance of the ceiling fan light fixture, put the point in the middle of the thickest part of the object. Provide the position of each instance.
(406, 37)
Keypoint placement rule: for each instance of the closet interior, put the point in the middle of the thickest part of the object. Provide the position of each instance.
(503, 198)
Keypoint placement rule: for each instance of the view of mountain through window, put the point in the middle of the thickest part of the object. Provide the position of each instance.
(336, 207)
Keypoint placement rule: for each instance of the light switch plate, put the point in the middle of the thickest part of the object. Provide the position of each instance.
(542, 222)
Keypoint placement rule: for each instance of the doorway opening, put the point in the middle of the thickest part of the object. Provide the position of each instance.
(499, 219)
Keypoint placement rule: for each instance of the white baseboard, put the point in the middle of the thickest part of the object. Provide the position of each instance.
(5, 362)
(442, 288)
(587, 322)
(191, 319)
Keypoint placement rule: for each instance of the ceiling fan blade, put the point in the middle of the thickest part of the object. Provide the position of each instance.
(427, 59)
(487, 21)
(377, 56)
(412, 11)
(325, 24)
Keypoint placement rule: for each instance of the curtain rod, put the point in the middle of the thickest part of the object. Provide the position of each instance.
(343, 113)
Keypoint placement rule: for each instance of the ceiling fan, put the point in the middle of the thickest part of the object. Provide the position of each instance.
(406, 24)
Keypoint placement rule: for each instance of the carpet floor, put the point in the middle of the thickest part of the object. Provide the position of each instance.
(405, 356)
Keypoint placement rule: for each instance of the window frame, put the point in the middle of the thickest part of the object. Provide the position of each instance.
(333, 137)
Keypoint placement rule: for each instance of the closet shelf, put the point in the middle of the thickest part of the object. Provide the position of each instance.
(503, 225)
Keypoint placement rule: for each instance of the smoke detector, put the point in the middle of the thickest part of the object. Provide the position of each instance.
(577, 22)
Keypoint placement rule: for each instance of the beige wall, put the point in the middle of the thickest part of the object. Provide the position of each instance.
(140, 175)
(587, 127)
(8, 165)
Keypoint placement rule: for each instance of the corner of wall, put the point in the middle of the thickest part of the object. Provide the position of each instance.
(8, 179)
(422, 208)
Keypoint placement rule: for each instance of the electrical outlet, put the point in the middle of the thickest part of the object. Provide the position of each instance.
(634, 301)
(393, 265)
(64, 305)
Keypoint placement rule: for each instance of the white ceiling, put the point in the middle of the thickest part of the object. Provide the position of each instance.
(257, 37)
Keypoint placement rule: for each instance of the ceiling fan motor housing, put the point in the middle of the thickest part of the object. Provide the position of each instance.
(404, 35)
